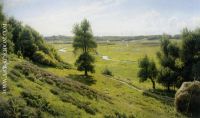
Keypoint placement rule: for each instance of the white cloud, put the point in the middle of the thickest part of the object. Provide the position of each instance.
(10, 4)
(106, 19)
(61, 21)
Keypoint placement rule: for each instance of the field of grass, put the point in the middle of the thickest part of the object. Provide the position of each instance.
(96, 96)
(124, 65)
(123, 58)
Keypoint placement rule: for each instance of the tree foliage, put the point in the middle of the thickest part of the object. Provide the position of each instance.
(147, 70)
(84, 62)
(169, 61)
(190, 54)
(2, 17)
(180, 63)
(84, 43)
(83, 39)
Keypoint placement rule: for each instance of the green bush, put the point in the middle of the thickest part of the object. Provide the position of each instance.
(119, 115)
(31, 77)
(55, 91)
(11, 108)
(106, 71)
(19, 54)
(28, 112)
(63, 84)
(79, 104)
(65, 65)
(16, 72)
(43, 58)
(50, 59)
(38, 101)
(20, 85)
(13, 77)
(49, 81)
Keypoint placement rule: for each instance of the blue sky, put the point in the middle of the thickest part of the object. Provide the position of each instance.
(107, 17)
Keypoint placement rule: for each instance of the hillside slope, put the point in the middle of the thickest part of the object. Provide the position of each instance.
(33, 91)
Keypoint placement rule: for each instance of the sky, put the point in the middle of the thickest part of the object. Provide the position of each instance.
(107, 17)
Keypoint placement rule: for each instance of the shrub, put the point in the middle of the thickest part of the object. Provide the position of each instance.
(28, 112)
(3, 109)
(79, 104)
(16, 72)
(119, 115)
(38, 101)
(65, 65)
(43, 58)
(187, 98)
(20, 85)
(55, 91)
(19, 54)
(11, 108)
(50, 59)
(13, 77)
(106, 71)
(31, 77)
(49, 81)
(63, 84)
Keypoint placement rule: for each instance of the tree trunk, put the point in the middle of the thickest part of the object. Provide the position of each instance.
(86, 74)
(153, 83)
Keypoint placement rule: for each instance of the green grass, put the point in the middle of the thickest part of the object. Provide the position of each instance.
(124, 63)
(98, 95)
(124, 66)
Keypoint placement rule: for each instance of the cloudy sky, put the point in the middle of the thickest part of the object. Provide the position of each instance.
(107, 17)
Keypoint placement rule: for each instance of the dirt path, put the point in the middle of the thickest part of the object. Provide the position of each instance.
(164, 98)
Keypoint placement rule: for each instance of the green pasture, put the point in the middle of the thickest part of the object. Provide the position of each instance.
(125, 100)
(123, 58)
(124, 65)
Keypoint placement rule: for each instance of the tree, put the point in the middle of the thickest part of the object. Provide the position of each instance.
(2, 17)
(166, 77)
(180, 63)
(190, 54)
(28, 46)
(147, 70)
(85, 44)
(16, 29)
(84, 63)
(169, 58)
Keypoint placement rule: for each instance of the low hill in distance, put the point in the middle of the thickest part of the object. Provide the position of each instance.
(69, 39)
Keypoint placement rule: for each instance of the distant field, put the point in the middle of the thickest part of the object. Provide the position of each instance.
(123, 58)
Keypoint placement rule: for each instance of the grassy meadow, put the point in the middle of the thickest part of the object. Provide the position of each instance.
(122, 58)
(123, 62)
(68, 94)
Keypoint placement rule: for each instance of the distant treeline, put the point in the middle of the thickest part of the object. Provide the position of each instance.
(69, 39)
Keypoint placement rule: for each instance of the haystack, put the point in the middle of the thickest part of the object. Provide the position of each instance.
(187, 98)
